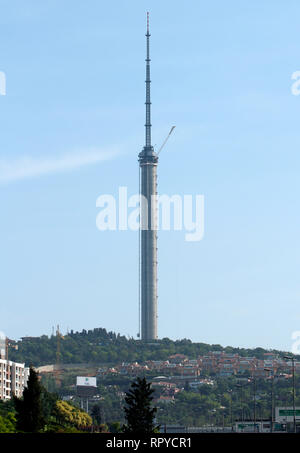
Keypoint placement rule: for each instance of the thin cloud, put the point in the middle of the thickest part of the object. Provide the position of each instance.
(31, 167)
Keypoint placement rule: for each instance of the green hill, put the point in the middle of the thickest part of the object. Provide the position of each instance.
(100, 346)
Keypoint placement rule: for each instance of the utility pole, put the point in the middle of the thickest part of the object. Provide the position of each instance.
(57, 371)
(294, 408)
(254, 401)
(241, 397)
(294, 391)
(254, 382)
(8, 369)
(269, 370)
(231, 419)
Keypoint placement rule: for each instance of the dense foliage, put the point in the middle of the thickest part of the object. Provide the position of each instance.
(99, 346)
(68, 414)
(40, 411)
(224, 402)
(207, 405)
(8, 423)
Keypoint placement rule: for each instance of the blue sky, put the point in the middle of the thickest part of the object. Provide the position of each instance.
(71, 128)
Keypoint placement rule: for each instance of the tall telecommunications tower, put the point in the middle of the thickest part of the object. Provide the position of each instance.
(148, 161)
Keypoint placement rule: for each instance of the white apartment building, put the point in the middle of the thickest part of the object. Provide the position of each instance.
(13, 376)
(13, 379)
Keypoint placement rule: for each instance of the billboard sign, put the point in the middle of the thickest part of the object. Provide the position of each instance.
(86, 381)
(86, 387)
(286, 414)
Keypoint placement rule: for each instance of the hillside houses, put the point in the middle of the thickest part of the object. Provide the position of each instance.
(218, 363)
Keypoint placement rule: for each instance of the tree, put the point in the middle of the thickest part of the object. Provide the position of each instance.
(48, 401)
(187, 387)
(29, 411)
(115, 427)
(138, 411)
(96, 414)
(8, 424)
(67, 414)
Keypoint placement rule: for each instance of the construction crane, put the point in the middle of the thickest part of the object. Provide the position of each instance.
(166, 139)
(57, 371)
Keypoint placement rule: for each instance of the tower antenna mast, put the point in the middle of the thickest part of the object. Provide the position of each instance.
(148, 82)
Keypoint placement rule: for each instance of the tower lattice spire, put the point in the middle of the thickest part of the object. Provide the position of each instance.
(148, 99)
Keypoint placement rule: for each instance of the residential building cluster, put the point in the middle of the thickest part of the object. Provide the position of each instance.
(13, 376)
(218, 363)
(225, 364)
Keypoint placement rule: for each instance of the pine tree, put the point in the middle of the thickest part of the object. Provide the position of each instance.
(96, 414)
(29, 411)
(138, 411)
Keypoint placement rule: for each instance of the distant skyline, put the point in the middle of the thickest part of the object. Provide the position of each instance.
(72, 125)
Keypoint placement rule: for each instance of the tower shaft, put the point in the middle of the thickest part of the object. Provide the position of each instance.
(148, 161)
(149, 254)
